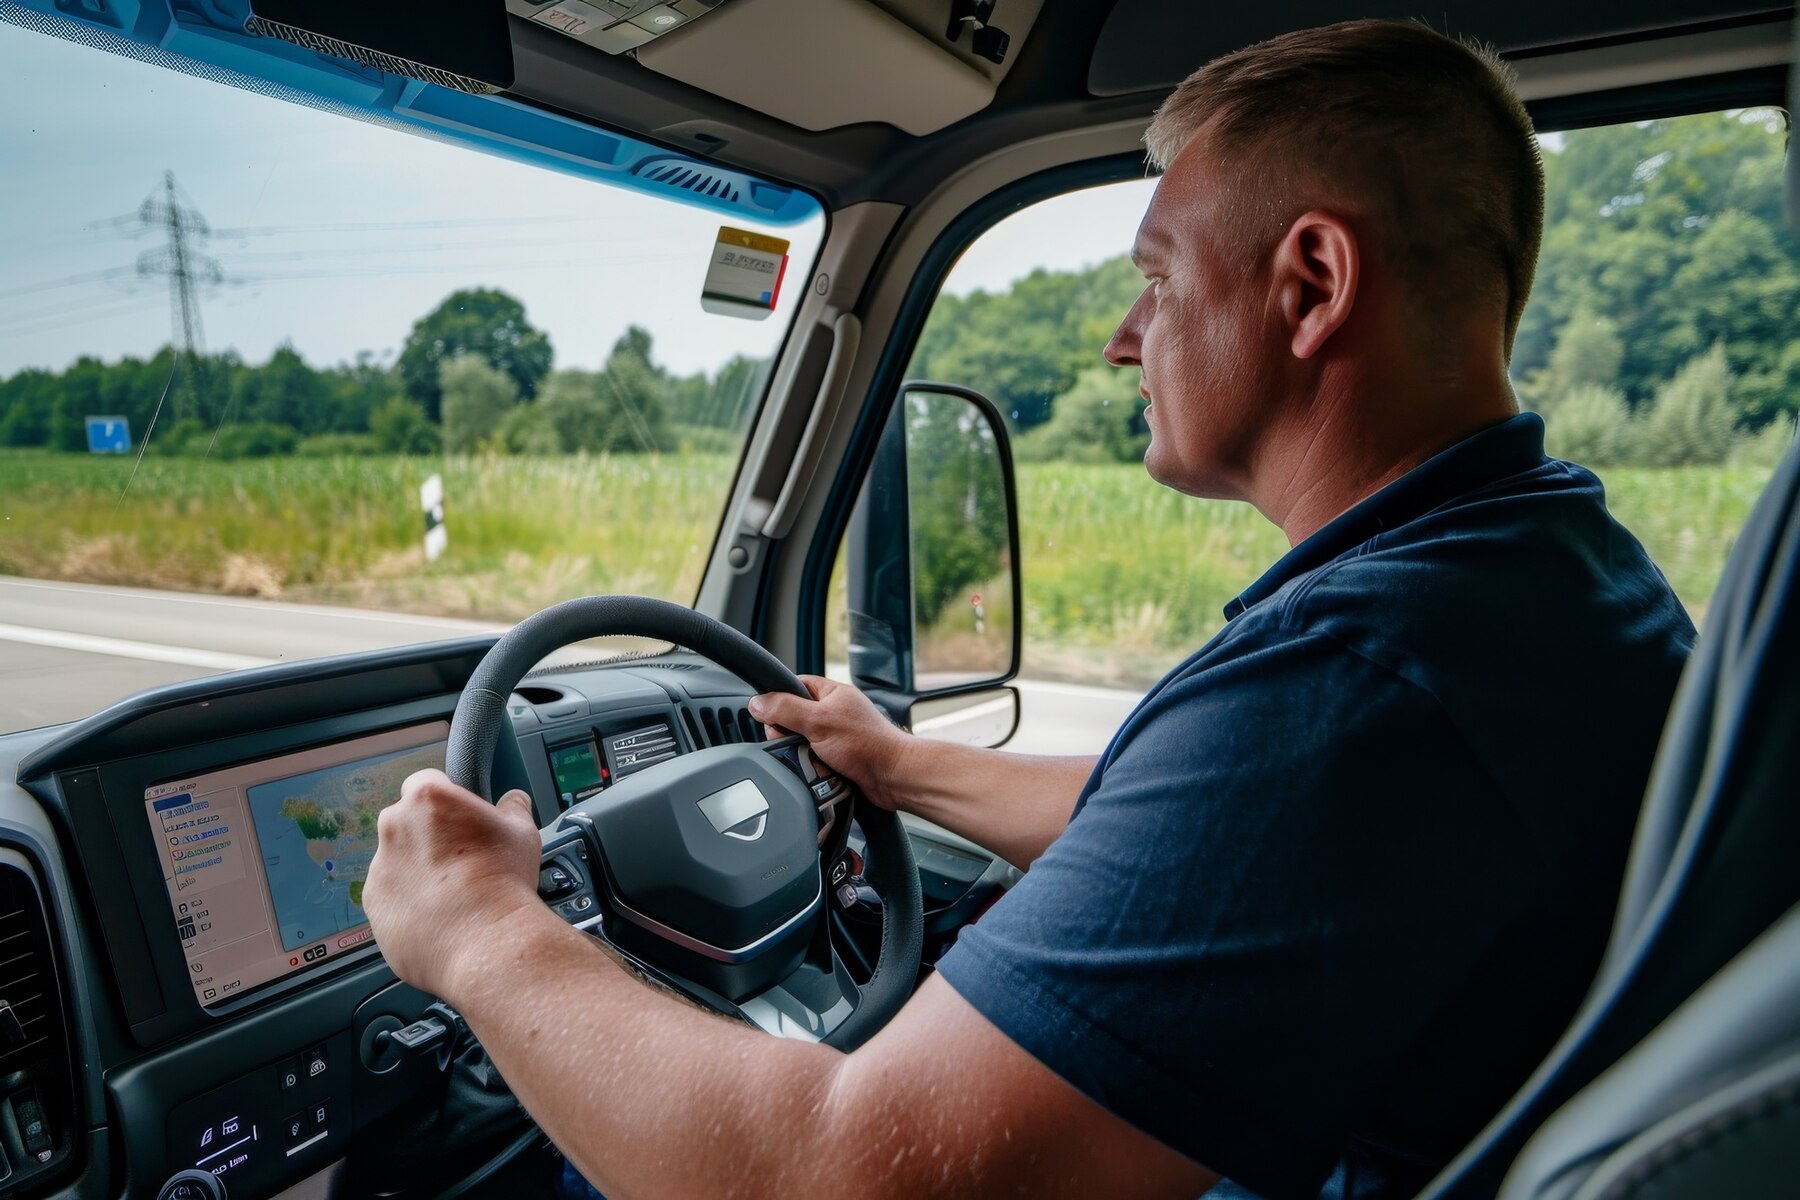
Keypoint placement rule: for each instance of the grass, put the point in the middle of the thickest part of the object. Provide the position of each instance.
(524, 532)
(1122, 577)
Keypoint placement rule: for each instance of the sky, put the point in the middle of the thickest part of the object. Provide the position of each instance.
(348, 232)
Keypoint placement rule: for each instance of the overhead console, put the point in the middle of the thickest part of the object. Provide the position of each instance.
(919, 65)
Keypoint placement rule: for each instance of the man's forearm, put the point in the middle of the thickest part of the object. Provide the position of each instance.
(1013, 804)
(646, 1097)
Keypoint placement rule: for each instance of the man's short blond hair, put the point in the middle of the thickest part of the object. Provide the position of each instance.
(1425, 131)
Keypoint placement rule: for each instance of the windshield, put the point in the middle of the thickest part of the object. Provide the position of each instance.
(351, 385)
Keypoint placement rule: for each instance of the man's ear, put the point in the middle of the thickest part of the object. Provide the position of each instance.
(1317, 267)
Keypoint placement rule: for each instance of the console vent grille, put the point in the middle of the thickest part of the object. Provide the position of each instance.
(692, 177)
(36, 1077)
(723, 726)
(30, 1003)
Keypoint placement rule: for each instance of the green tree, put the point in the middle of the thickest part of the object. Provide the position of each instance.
(477, 399)
(481, 321)
(1588, 355)
(1590, 424)
(1024, 347)
(283, 391)
(955, 498)
(1097, 420)
(399, 427)
(1690, 421)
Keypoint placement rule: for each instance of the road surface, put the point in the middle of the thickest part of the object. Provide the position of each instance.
(69, 649)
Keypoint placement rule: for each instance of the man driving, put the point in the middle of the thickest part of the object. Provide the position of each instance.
(1340, 879)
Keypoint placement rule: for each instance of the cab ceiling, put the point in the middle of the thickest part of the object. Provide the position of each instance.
(1084, 63)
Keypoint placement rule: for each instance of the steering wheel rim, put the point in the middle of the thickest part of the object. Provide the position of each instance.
(481, 714)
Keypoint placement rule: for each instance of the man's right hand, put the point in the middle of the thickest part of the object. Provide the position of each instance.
(847, 732)
(1012, 804)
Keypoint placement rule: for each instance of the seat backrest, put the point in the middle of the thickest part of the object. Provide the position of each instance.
(1706, 1106)
(1712, 863)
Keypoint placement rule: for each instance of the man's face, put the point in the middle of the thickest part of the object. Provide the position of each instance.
(1198, 332)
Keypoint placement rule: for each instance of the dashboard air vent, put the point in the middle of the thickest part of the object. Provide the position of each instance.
(35, 1069)
(722, 726)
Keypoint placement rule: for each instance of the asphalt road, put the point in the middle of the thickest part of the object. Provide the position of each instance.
(67, 650)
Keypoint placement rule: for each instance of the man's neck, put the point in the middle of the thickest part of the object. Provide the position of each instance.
(1356, 436)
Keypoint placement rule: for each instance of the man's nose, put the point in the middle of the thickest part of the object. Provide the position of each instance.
(1123, 347)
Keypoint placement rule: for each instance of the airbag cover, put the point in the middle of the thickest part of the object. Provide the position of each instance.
(720, 845)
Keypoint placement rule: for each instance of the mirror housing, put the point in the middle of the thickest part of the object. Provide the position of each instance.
(932, 554)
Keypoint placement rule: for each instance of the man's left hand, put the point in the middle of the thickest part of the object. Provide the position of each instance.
(449, 869)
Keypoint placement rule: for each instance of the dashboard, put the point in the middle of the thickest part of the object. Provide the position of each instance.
(185, 869)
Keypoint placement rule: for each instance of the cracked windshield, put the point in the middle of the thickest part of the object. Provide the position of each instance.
(276, 383)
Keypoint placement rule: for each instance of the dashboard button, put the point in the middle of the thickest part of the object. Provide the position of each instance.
(295, 1130)
(292, 1072)
(314, 1062)
(192, 1185)
(660, 19)
(319, 1119)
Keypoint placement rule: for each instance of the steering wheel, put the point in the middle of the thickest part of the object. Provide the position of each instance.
(709, 870)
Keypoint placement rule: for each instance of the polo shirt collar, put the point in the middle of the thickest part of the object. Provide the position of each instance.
(1507, 448)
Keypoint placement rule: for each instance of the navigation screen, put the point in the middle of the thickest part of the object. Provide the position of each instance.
(265, 862)
(318, 834)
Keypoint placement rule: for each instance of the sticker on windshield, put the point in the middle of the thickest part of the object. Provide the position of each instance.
(744, 277)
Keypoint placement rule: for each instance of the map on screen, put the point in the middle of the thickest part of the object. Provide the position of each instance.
(317, 832)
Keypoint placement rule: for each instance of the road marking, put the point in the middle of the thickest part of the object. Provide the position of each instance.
(1085, 691)
(456, 624)
(87, 643)
(986, 708)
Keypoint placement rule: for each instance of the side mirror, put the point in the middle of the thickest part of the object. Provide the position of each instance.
(931, 571)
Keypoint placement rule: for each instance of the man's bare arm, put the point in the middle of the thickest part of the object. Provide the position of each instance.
(652, 1097)
(1013, 804)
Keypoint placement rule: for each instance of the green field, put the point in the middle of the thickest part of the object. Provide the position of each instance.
(1122, 577)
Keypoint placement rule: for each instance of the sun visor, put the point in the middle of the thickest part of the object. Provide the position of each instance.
(373, 88)
(822, 64)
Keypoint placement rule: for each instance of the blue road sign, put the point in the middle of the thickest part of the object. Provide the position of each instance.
(109, 435)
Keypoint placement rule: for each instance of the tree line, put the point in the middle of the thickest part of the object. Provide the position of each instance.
(1661, 328)
(1660, 332)
(473, 375)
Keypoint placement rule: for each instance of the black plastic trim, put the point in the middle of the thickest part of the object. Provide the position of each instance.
(896, 355)
(108, 733)
(1754, 88)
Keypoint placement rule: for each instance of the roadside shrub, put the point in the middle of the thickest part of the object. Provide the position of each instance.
(1690, 422)
(477, 398)
(336, 445)
(1590, 424)
(1093, 422)
(1764, 449)
(253, 439)
(400, 427)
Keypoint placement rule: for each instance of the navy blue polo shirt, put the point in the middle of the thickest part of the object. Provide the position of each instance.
(1341, 879)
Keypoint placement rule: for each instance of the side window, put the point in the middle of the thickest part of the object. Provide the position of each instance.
(1659, 346)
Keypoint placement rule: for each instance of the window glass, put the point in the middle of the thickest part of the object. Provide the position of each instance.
(239, 335)
(1659, 345)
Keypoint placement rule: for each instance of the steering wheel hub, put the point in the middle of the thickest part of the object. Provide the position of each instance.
(709, 864)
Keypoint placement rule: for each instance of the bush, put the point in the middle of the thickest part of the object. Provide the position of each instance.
(1690, 422)
(399, 426)
(1093, 422)
(705, 439)
(253, 439)
(1764, 449)
(477, 398)
(1590, 424)
(339, 445)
